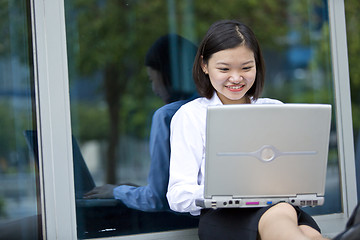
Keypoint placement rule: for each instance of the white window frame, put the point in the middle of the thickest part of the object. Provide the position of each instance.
(54, 125)
(53, 110)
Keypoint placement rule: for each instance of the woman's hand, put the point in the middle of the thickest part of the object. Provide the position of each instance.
(105, 191)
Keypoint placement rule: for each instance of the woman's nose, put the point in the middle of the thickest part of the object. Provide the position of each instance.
(236, 78)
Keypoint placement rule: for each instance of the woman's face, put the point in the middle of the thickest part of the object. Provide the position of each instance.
(232, 73)
(157, 83)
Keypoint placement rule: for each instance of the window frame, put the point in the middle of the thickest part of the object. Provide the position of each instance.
(55, 147)
(340, 67)
(54, 125)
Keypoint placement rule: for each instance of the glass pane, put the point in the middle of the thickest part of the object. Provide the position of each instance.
(20, 212)
(110, 45)
(302, 73)
(352, 7)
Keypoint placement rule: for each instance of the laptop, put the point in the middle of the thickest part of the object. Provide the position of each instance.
(83, 180)
(259, 155)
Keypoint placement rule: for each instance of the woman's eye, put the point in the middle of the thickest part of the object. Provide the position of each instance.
(247, 68)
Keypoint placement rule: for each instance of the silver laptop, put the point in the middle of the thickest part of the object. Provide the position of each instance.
(259, 155)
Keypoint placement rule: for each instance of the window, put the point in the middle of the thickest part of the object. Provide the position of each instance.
(20, 205)
(113, 101)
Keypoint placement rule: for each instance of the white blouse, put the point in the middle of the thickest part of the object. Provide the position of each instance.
(187, 158)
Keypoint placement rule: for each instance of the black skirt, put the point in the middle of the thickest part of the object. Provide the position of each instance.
(239, 223)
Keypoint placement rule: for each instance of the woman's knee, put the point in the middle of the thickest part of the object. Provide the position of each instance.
(310, 232)
(279, 211)
(284, 209)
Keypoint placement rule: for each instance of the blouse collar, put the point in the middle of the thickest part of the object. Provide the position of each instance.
(215, 100)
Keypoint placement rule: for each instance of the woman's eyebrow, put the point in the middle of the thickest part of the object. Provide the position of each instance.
(222, 63)
(227, 64)
(250, 61)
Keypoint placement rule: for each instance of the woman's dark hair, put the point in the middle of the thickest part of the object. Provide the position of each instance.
(173, 56)
(222, 35)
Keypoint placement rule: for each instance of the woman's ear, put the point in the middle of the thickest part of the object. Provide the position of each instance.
(204, 66)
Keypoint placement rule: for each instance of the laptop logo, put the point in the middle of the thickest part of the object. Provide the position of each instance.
(266, 153)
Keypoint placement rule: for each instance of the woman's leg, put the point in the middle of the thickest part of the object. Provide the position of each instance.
(311, 233)
(280, 222)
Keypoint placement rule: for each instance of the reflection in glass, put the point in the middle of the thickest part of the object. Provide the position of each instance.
(112, 100)
(20, 213)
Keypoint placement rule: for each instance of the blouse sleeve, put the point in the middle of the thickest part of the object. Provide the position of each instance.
(187, 151)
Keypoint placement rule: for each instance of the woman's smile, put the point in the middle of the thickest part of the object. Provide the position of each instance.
(235, 88)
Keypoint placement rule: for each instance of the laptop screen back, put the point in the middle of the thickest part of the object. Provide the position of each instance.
(266, 150)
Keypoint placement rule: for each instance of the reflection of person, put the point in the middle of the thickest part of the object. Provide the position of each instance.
(228, 69)
(169, 65)
(152, 197)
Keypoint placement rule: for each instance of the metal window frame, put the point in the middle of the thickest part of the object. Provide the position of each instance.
(340, 66)
(53, 110)
(55, 147)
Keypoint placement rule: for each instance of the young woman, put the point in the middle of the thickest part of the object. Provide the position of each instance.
(228, 69)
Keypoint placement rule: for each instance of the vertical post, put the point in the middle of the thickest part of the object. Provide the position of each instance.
(343, 103)
(53, 110)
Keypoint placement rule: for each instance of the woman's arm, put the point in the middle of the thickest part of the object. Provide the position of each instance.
(187, 151)
(151, 197)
